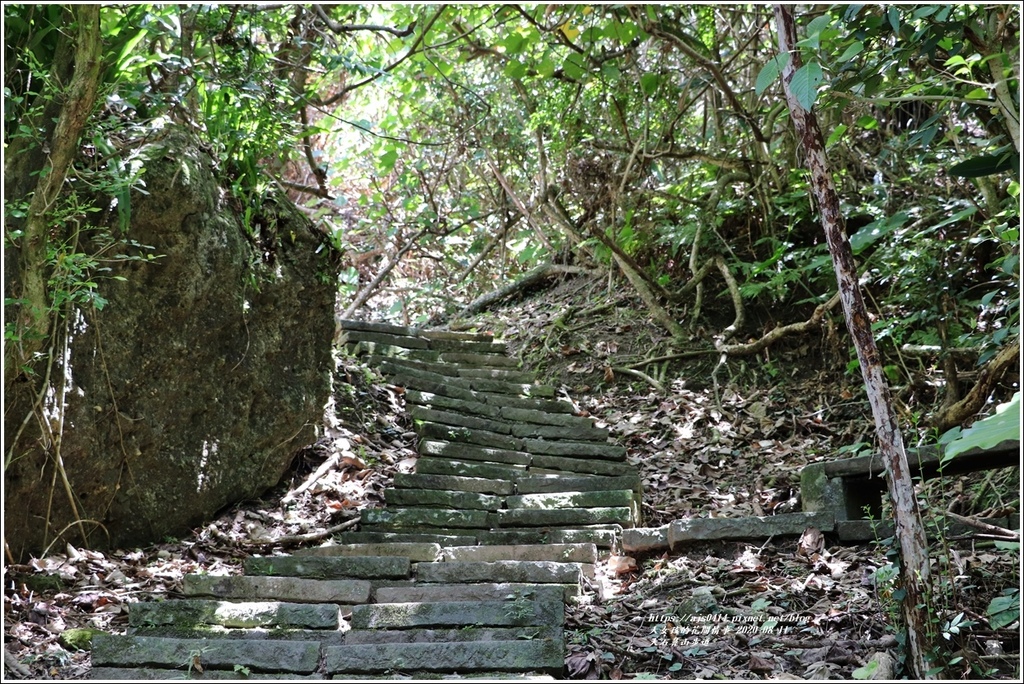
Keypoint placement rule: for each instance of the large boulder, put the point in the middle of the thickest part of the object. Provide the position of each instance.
(194, 386)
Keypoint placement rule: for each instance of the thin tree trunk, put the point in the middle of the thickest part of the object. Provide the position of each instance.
(909, 530)
(34, 314)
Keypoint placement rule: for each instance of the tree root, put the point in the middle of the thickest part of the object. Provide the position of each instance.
(951, 416)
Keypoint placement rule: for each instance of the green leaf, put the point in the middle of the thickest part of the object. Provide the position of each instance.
(649, 83)
(866, 671)
(849, 53)
(985, 165)
(894, 19)
(836, 135)
(875, 230)
(770, 71)
(1003, 425)
(1004, 610)
(804, 84)
(977, 94)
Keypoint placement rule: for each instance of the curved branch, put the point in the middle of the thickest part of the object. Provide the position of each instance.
(352, 28)
(951, 416)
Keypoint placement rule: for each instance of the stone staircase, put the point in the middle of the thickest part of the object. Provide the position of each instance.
(464, 573)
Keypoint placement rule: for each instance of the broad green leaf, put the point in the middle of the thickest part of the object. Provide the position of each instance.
(868, 123)
(573, 68)
(1003, 425)
(770, 71)
(836, 135)
(985, 165)
(876, 230)
(649, 83)
(1004, 610)
(804, 84)
(894, 18)
(977, 94)
(849, 53)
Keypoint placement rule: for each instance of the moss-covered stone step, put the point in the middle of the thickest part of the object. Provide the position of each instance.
(452, 433)
(542, 655)
(559, 553)
(535, 403)
(141, 674)
(366, 537)
(465, 336)
(532, 517)
(503, 374)
(567, 482)
(442, 518)
(469, 346)
(525, 415)
(534, 572)
(588, 499)
(479, 485)
(581, 465)
(604, 536)
(291, 589)
(481, 591)
(261, 655)
(516, 612)
(422, 551)
(479, 360)
(326, 567)
(467, 452)
(387, 328)
(450, 418)
(245, 614)
(442, 498)
(450, 466)
(441, 402)
(565, 447)
(575, 433)
(436, 635)
(404, 341)
(390, 350)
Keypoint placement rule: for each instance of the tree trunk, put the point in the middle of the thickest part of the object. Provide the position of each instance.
(34, 314)
(909, 530)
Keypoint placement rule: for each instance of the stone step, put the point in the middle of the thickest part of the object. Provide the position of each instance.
(441, 518)
(543, 655)
(479, 360)
(388, 339)
(580, 465)
(534, 572)
(525, 415)
(259, 655)
(365, 537)
(465, 452)
(452, 433)
(483, 591)
(530, 517)
(561, 500)
(561, 553)
(441, 402)
(456, 335)
(193, 612)
(512, 376)
(442, 498)
(327, 567)
(435, 635)
(604, 536)
(566, 482)
(534, 403)
(386, 328)
(448, 466)
(297, 590)
(450, 418)
(575, 434)
(141, 674)
(478, 485)
(520, 612)
(470, 347)
(564, 447)
(415, 551)
(389, 350)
